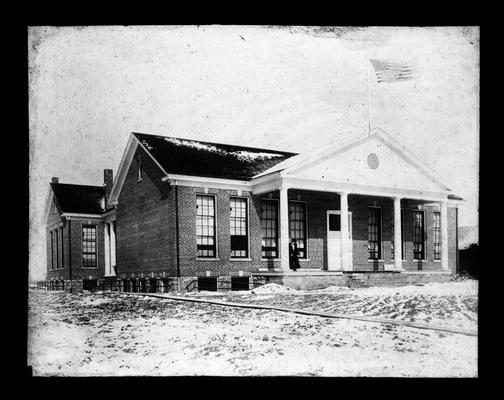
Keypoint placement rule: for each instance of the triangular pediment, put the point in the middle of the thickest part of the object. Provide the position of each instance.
(372, 161)
(51, 207)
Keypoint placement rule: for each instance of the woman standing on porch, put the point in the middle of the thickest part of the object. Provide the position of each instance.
(293, 255)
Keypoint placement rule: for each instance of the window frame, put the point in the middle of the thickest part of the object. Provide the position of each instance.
(379, 233)
(52, 249)
(424, 252)
(62, 241)
(216, 247)
(247, 227)
(305, 230)
(277, 221)
(436, 235)
(96, 245)
(56, 241)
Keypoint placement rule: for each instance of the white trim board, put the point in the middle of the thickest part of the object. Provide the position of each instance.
(124, 165)
(216, 183)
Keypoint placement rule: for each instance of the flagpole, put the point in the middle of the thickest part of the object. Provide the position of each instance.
(369, 102)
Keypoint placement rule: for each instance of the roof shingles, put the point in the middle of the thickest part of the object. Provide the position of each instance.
(213, 160)
(79, 199)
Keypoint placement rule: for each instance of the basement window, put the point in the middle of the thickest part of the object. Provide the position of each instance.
(239, 283)
(89, 284)
(207, 283)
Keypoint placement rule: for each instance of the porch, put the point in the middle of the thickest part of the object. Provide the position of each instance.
(378, 169)
(381, 234)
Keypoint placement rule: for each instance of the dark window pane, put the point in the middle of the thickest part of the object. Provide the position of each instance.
(269, 221)
(205, 222)
(335, 222)
(238, 227)
(374, 232)
(297, 222)
(418, 235)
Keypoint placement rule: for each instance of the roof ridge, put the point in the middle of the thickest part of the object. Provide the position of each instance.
(76, 184)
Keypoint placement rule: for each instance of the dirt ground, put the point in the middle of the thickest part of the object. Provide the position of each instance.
(116, 334)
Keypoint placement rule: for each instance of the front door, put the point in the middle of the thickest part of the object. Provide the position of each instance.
(334, 239)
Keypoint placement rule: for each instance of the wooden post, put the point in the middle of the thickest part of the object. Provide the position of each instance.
(284, 228)
(444, 235)
(345, 240)
(397, 235)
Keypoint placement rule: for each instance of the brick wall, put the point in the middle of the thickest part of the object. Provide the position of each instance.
(54, 221)
(146, 232)
(145, 221)
(78, 272)
(55, 273)
(224, 265)
(72, 250)
(359, 204)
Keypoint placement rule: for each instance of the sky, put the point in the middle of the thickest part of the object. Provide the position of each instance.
(283, 88)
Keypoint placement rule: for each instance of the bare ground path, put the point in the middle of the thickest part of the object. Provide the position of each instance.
(92, 334)
(378, 320)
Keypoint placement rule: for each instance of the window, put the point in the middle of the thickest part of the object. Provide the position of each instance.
(418, 235)
(89, 247)
(62, 265)
(56, 240)
(297, 225)
(437, 235)
(269, 228)
(402, 235)
(335, 222)
(52, 249)
(205, 226)
(374, 232)
(238, 227)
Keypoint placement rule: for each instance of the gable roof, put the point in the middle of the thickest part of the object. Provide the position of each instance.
(80, 199)
(303, 160)
(207, 159)
(317, 153)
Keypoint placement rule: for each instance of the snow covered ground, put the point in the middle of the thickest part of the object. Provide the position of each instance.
(116, 334)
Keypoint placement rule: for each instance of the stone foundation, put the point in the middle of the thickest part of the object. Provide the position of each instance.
(300, 280)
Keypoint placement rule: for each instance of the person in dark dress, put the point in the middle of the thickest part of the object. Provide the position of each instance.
(293, 255)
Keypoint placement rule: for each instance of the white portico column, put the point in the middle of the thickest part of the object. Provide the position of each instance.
(112, 248)
(106, 240)
(284, 229)
(444, 235)
(345, 241)
(397, 235)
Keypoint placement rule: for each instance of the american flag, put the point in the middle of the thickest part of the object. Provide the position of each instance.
(387, 71)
